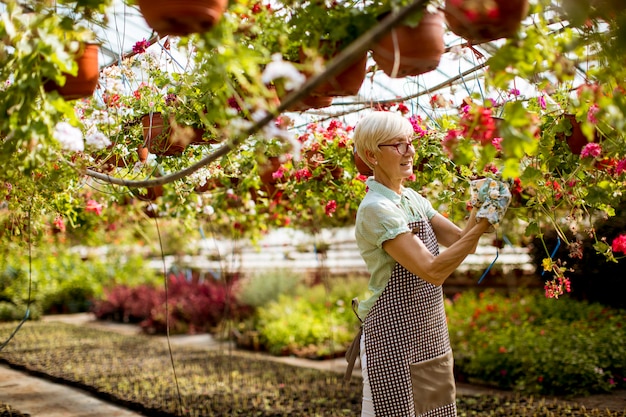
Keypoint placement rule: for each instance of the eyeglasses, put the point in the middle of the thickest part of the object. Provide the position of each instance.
(402, 148)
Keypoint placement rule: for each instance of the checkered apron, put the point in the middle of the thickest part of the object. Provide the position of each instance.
(406, 325)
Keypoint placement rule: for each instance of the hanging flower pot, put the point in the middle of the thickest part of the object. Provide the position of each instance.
(266, 174)
(148, 194)
(182, 17)
(142, 154)
(315, 159)
(158, 137)
(483, 21)
(312, 102)
(411, 50)
(576, 140)
(361, 166)
(84, 83)
(347, 83)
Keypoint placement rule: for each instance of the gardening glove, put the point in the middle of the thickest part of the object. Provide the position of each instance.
(478, 191)
(496, 199)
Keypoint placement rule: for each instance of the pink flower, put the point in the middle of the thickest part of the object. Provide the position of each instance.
(591, 114)
(94, 206)
(497, 143)
(557, 287)
(514, 92)
(621, 166)
(59, 223)
(619, 244)
(303, 174)
(279, 173)
(591, 150)
(330, 208)
(542, 102)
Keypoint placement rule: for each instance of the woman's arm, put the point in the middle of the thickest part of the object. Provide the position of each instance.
(448, 233)
(410, 252)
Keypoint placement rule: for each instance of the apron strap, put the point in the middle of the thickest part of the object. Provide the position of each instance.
(355, 347)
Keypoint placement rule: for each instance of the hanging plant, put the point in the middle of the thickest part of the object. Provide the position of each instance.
(481, 21)
(411, 50)
(84, 83)
(182, 17)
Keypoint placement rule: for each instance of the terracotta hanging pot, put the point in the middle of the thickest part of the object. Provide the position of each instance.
(182, 17)
(475, 22)
(361, 166)
(409, 50)
(347, 83)
(312, 102)
(576, 140)
(148, 194)
(315, 159)
(158, 136)
(142, 154)
(84, 83)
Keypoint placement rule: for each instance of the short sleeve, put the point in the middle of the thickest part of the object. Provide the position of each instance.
(423, 205)
(381, 222)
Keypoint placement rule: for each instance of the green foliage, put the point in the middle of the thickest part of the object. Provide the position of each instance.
(536, 345)
(64, 282)
(264, 287)
(317, 322)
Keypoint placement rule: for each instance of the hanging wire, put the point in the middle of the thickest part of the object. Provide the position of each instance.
(494, 259)
(167, 319)
(30, 281)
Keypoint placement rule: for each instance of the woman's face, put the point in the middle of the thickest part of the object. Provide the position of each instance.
(395, 159)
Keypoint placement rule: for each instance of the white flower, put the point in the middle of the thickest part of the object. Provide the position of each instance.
(208, 210)
(97, 139)
(70, 137)
(283, 69)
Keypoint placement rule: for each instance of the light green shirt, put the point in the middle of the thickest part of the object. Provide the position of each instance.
(383, 215)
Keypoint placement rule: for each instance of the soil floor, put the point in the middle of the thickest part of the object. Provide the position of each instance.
(41, 398)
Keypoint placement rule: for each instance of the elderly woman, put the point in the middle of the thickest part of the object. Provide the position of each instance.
(406, 358)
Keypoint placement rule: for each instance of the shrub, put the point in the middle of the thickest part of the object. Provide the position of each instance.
(264, 287)
(192, 306)
(317, 322)
(537, 345)
(63, 282)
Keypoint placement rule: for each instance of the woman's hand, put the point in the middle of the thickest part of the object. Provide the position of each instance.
(492, 199)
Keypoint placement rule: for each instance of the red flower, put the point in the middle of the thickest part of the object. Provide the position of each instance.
(619, 244)
(141, 46)
(330, 208)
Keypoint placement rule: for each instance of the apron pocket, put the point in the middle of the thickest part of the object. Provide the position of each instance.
(433, 383)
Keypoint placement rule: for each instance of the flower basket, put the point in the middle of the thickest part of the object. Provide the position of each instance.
(84, 83)
(361, 166)
(346, 83)
(183, 17)
(315, 159)
(409, 50)
(476, 22)
(169, 138)
(576, 140)
(312, 102)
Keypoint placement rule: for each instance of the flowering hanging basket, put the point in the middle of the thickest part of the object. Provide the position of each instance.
(84, 83)
(410, 50)
(346, 83)
(182, 17)
(361, 166)
(481, 21)
(167, 138)
(312, 102)
(576, 140)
